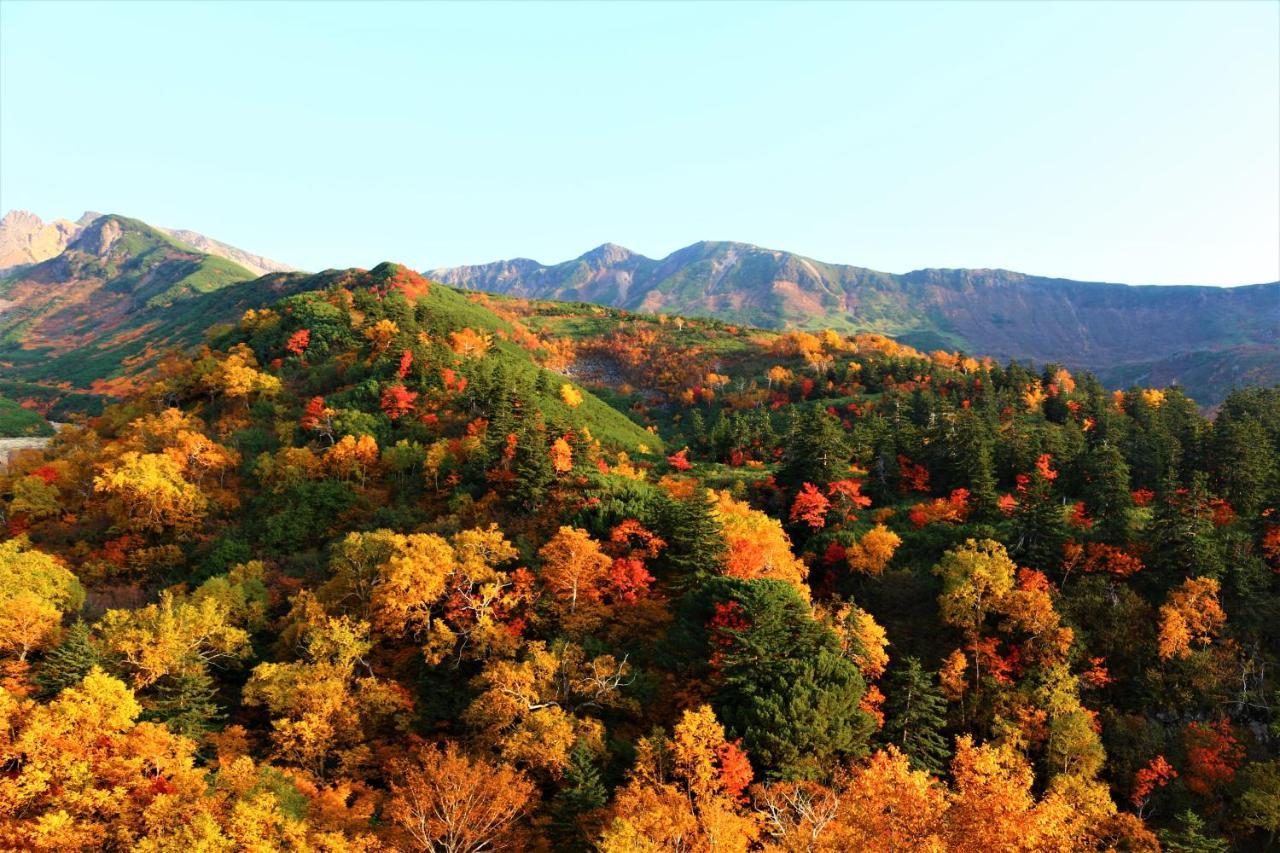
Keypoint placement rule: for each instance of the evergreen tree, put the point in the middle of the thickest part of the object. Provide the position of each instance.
(532, 466)
(695, 543)
(1180, 538)
(69, 662)
(915, 715)
(571, 808)
(1105, 477)
(1190, 837)
(1037, 524)
(784, 686)
(186, 703)
(816, 450)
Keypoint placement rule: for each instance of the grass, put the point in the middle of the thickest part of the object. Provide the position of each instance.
(17, 422)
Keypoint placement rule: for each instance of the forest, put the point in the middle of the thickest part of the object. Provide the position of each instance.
(393, 566)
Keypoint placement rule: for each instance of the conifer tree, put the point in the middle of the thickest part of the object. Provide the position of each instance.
(582, 794)
(816, 450)
(69, 662)
(695, 544)
(1190, 837)
(532, 466)
(915, 716)
(186, 702)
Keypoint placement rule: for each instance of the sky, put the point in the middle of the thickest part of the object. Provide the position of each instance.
(1132, 142)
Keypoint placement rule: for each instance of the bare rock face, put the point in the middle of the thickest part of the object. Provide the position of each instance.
(27, 239)
(253, 263)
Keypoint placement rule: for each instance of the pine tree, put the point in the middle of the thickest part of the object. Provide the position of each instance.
(532, 466)
(816, 450)
(1190, 837)
(186, 703)
(695, 544)
(1037, 524)
(1180, 538)
(915, 715)
(68, 663)
(1106, 491)
(582, 794)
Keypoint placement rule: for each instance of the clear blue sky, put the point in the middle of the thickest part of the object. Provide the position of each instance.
(1124, 142)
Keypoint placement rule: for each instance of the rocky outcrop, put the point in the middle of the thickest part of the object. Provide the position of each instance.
(26, 239)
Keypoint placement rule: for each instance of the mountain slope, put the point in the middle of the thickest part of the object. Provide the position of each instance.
(1085, 325)
(25, 239)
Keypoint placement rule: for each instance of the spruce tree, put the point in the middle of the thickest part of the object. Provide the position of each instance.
(915, 715)
(532, 466)
(1106, 492)
(695, 543)
(69, 662)
(186, 703)
(1190, 837)
(816, 450)
(583, 793)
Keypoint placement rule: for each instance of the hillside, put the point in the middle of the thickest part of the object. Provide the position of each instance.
(381, 550)
(25, 239)
(1124, 330)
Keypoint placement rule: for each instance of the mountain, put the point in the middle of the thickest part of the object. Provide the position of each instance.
(1185, 334)
(26, 239)
(107, 298)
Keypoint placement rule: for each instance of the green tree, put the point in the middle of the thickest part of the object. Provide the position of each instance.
(582, 794)
(186, 702)
(1190, 837)
(68, 662)
(915, 715)
(695, 545)
(816, 450)
(1105, 477)
(783, 685)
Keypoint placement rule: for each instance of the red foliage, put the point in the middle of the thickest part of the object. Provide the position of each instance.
(1213, 756)
(915, 478)
(951, 510)
(313, 413)
(299, 341)
(680, 460)
(47, 473)
(397, 401)
(406, 361)
(1080, 517)
(729, 620)
(735, 769)
(628, 579)
(1044, 469)
(847, 496)
(1142, 497)
(1156, 774)
(811, 507)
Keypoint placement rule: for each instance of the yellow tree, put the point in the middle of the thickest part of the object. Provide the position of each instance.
(446, 801)
(871, 554)
(1192, 615)
(758, 546)
(680, 796)
(36, 589)
(575, 570)
(532, 710)
(327, 708)
(148, 492)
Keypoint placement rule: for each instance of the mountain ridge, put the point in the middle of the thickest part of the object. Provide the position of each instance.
(1098, 326)
(25, 240)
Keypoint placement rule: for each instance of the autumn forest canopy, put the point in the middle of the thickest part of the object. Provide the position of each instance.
(383, 565)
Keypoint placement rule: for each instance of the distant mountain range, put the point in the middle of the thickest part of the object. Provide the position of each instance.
(26, 239)
(83, 302)
(1204, 338)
